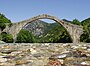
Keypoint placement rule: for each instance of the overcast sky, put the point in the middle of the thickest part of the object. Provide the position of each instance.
(18, 10)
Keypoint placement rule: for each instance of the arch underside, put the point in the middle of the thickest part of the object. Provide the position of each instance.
(46, 17)
(53, 20)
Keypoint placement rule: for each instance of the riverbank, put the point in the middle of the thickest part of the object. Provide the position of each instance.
(44, 54)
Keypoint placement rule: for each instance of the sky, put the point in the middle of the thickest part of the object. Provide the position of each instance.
(18, 10)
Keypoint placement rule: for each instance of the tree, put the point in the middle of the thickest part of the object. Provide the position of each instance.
(2, 26)
(76, 22)
(56, 35)
(85, 37)
(8, 38)
(24, 36)
(4, 21)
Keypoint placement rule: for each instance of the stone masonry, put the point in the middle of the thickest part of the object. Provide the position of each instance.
(74, 30)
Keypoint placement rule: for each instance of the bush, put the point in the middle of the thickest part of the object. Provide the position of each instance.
(24, 36)
(4, 21)
(8, 38)
(2, 26)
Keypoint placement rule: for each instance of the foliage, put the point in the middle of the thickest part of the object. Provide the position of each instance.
(85, 37)
(7, 38)
(24, 36)
(4, 21)
(55, 35)
(76, 22)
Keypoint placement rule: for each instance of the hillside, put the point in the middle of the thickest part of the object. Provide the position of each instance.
(48, 32)
(86, 21)
(55, 35)
(39, 27)
(85, 37)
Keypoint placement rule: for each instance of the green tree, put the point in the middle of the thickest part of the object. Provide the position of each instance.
(24, 36)
(4, 21)
(85, 37)
(76, 22)
(56, 35)
(2, 26)
(8, 38)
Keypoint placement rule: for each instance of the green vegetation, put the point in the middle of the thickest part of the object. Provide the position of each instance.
(56, 35)
(24, 36)
(6, 37)
(4, 21)
(76, 22)
(85, 37)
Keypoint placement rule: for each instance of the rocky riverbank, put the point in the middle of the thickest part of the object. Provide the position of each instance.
(45, 54)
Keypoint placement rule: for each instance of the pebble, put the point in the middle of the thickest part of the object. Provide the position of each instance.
(83, 63)
(84, 47)
(59, 56)
(88, 49)
(3, 59)
(62, 56)
(33, 51)
(45, 54)
(61, 60)
(74, 47)
(54, 62)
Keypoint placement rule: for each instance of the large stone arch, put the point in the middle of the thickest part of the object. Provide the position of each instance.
(74, 30)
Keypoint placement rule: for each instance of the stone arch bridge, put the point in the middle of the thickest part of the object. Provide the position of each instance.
(74, 30)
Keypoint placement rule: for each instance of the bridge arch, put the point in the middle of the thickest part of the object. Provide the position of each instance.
(43, 16)
(71, 29)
